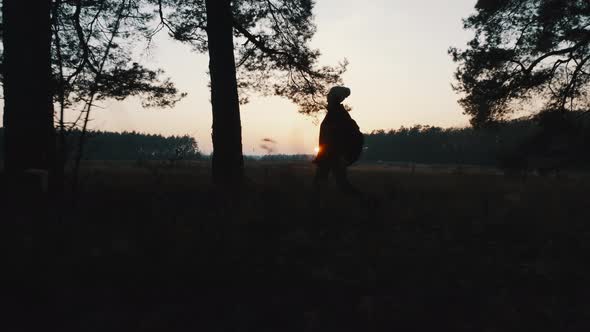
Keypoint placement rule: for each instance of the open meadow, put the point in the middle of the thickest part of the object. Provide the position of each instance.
(468, 248)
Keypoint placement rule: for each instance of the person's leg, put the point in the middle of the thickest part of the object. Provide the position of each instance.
(321, 175)
(341, 177)
(319, 181)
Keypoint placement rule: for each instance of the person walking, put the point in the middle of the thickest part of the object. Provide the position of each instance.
(340, 143)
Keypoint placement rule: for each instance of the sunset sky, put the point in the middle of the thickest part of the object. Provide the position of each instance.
(399, 74)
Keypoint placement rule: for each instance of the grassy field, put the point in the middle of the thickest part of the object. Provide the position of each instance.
(157, 247)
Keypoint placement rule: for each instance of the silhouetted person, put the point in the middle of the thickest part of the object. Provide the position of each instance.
(341, 142)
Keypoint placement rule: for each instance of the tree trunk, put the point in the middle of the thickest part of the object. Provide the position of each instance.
(28, 108)
(228, 161)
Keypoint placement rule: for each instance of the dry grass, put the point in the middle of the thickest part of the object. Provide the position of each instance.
(468, 250)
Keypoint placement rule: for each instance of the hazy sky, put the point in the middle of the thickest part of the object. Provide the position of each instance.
(399, 74)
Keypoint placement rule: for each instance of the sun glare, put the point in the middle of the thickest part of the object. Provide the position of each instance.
(316, 149)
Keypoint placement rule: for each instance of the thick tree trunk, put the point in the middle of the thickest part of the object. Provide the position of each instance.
(228, 162)
(28, 107)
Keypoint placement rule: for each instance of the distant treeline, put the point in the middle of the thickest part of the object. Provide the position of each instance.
(419, 144)
(434, 145)
(102, 145)
(281, 157)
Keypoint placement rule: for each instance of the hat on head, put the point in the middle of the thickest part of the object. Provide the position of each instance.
(339, 92)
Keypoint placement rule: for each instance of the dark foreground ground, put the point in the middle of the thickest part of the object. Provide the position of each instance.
(157, 248)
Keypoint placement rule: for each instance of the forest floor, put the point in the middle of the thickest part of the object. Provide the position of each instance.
(154, 247)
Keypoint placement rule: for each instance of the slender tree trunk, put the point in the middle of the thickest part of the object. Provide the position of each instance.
(61, 148)
(28, 107)
(228, 162)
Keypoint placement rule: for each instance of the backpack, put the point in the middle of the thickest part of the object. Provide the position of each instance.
(356, 141)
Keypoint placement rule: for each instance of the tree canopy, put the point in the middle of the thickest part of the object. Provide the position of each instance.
(93, 48)
(272, 41)
(531, 55)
